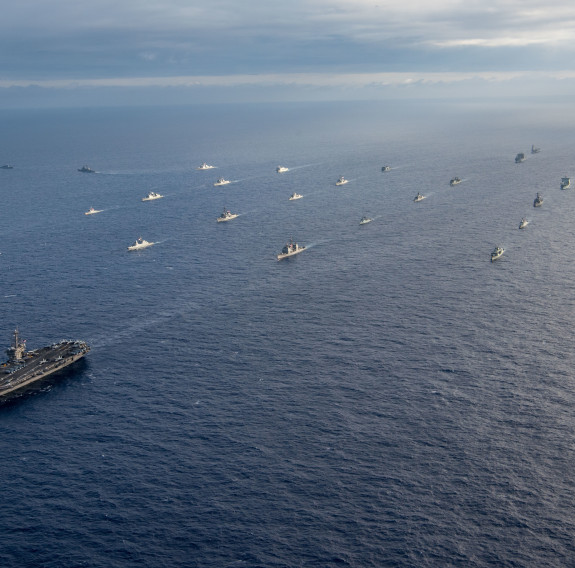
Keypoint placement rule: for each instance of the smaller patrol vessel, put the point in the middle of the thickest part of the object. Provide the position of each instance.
(365, 220)
(295, 196)
(454, 181)
(565, 183)
(222, 181)
(534, 149)
(205, 166)
(386, 168)
(524, 223)
(520, 158)
(86, 170)
(26, 367)
(226, 216)
(497, 253)
(290, 249)
(140, 244)
(92, 211)
(538, 200)
(151, 196)
(281, 169)
(341, 181)
(418, 197)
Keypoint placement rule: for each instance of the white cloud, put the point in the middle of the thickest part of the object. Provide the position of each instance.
(424, 19)
(188, 37)
(343, 80)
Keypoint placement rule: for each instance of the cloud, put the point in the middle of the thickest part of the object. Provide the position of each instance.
(343, 80)
(157, 40)
(286, 87)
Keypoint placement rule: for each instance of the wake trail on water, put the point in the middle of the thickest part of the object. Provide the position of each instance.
(131, 329)
(303, 166)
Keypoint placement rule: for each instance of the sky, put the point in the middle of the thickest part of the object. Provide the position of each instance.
(61, 52)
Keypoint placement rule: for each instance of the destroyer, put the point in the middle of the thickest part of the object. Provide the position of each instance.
(520, 158)
(497, 253)
(205, 166)
(538, 200)
(222, 181)
(140, 244)
(365, 220)
(151, 196)
(295, 196)
(290, 249)
(385, 168)
(26, 367)
(534, 149)
(281, 169)
(524, 223)
(86, 170)
(454, 181)
(418, 197)
(226, 216)
(565, 183)
(341, 181)
(93, 211)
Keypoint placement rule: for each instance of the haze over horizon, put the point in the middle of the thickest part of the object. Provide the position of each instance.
(173, 52)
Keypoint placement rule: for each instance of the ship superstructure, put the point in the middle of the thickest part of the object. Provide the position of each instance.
(26, 367)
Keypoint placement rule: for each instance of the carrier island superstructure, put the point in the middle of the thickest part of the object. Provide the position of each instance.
(26, 367)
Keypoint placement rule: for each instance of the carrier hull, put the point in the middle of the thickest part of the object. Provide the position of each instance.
(32, 366)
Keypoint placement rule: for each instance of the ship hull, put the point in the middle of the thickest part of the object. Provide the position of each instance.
(224, 219)
(140, 247)
(288, 254)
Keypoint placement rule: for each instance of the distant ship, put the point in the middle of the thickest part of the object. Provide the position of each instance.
(386, 168)
(205, 166)
(524, 223)
(6, 167)
(565, 183)
(140, 244)
(454, 181)
(535, 150)
(92, 211)
(281, 169)
(538, 200)
(341, 181)
(519, 158)
(295, 196)
(418, 197)
(226, 216)
(151, 196)
(222, 181)
(365, 220)
(26, 367)
(86, 170)
(290, 249)
(497, 253)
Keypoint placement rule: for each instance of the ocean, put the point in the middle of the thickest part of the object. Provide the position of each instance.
(387, 398)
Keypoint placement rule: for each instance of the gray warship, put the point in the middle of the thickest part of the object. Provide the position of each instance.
(26, 367)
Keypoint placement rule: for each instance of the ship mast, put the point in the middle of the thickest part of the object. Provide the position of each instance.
(17, 349)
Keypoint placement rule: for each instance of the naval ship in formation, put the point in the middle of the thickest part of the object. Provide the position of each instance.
(26, 367)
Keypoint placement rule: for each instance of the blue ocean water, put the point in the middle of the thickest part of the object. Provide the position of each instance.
(389, 397)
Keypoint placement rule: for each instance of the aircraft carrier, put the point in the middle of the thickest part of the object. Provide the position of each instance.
(26, 367)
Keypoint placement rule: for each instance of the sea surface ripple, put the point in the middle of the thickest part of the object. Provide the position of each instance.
(389, 397)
